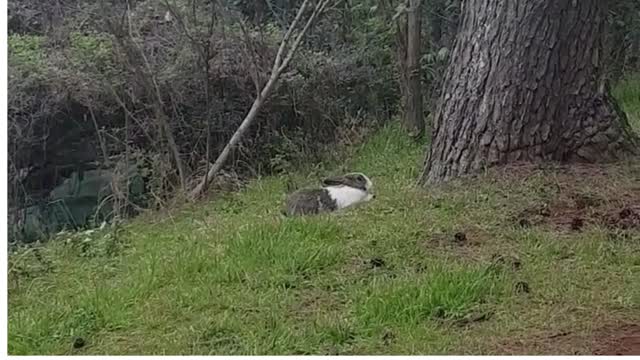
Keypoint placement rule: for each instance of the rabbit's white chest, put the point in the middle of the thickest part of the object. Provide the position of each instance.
(345, 196)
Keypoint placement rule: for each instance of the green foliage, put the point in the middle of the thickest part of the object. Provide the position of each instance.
(376, 37)
(91, 51)
(27, 55)
(86, 53)
(628, 94)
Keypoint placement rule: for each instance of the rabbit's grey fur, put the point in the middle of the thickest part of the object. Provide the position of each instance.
(338, 192)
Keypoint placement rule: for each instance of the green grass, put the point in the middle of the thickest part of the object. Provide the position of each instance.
(231, 276)
(628, 93)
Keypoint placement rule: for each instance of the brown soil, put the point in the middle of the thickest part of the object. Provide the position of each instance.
(609, 340)
(623, 340)
(584, 195)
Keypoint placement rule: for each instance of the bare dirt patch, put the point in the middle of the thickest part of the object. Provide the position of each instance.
(316, 301)
(624, 340)
(615, 339)
(615, 214)
(582, 195)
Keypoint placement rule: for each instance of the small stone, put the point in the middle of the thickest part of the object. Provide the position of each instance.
(377, 262)
(506, 260)
(577, 224)
(438, 313)
(388, 337)
(78, 343)
(525, 223)
(460, 238)
(544, 211)
(625, 213)
(516, 263)
(522, 287)
(289, 285)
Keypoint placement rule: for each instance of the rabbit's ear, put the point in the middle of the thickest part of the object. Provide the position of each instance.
(334, 181)
(357, 180)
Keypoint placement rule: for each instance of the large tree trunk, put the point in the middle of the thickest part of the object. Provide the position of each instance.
(526, 83)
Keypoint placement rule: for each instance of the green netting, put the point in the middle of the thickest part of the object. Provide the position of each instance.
(81, 200)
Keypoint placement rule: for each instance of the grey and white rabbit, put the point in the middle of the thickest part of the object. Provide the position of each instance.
(337, 193)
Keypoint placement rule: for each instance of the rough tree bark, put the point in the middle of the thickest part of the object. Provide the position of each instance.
(526, 83)
(414, 119)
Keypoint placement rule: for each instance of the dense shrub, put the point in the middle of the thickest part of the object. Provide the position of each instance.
(80, 102)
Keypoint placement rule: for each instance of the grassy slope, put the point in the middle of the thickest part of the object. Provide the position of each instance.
(231, 276)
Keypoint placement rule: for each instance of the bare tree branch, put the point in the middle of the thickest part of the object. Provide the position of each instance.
(287, 35)
(319, 9)
(278, 66)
